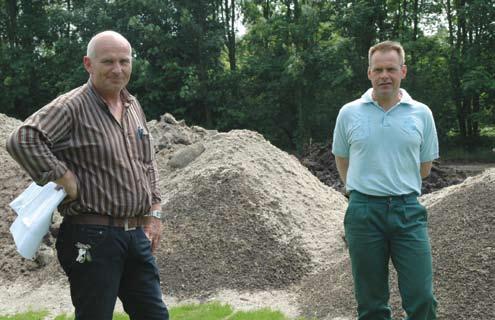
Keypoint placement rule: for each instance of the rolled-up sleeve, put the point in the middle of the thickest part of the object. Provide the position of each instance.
(31, 144)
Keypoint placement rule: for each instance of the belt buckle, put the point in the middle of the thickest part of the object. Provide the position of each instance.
(126, 225)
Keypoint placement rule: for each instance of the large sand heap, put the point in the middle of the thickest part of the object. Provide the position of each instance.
(242, 214)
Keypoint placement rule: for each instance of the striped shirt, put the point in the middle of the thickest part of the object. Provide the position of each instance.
(114, 163)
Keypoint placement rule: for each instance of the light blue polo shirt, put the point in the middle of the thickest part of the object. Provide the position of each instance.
(385, 149)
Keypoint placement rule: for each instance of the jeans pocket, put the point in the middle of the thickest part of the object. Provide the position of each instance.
(92, 235)
(356, 213)
(415, 213)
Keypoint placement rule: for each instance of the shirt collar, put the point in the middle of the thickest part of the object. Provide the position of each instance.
(127, 98)
(367, 97)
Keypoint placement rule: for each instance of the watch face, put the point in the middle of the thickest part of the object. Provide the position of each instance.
(156, 214)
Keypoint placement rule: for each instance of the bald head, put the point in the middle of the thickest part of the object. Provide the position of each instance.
(109, 63)
(105, 37)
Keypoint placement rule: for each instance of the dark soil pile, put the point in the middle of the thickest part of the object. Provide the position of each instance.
(318, 158)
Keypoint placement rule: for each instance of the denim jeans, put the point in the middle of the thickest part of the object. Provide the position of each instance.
(378, 229)
(118, 263)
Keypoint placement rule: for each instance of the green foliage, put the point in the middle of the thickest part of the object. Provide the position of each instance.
(298, 63)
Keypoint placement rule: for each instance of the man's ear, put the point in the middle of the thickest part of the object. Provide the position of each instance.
(87, 64)
(403, 71)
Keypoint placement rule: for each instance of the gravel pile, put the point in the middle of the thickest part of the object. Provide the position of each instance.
(242, 214)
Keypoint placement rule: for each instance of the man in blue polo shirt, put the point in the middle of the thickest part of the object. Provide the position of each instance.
(384, 144)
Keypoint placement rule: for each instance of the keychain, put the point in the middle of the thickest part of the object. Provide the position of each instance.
(84, 254)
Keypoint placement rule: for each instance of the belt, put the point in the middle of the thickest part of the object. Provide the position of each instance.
(406, 198)
(130, 223)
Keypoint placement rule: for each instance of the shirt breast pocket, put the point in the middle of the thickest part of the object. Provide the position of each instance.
(410, 126)
(360, 130)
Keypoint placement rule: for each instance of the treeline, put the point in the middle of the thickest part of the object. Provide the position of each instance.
(286, 77)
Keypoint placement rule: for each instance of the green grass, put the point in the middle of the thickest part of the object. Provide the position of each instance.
(116, 316)
(206, 311)
(263, 314)
(31, 315)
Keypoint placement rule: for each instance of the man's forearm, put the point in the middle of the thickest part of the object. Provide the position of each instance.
(342, 167)
(425, 169)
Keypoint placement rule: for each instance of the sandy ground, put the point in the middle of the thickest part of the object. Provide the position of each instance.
(55, 297)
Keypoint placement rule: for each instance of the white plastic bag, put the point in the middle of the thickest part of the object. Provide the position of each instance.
(34, 207)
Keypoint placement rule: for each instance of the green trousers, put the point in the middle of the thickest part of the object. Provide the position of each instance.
(378, 229)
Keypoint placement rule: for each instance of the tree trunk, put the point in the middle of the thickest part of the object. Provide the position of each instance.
(476, 109)
(12, 22)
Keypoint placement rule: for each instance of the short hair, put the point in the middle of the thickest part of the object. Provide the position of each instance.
(90, 50)
(388, 46)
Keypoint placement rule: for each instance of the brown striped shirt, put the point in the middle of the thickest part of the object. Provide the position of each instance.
(114, 163)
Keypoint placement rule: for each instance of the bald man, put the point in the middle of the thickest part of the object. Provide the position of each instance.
(93, 142)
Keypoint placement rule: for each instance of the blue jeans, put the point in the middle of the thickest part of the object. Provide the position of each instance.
(119, 264)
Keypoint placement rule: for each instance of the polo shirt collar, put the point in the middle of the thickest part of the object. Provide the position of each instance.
(367, 97)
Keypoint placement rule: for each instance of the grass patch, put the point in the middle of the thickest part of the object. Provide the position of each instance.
(206, 311)
(263, 314)
(116, 316)
(31, 315)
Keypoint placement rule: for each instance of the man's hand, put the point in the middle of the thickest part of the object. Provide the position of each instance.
(153, 230)
(69, 182)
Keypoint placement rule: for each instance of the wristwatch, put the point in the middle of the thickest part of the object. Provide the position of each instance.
(155, 213)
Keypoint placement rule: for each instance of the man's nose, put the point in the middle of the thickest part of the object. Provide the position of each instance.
(117, 68)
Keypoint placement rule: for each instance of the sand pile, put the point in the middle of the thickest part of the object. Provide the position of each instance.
(462, 231)
(12, 181)
(242, 214)
(462, 221)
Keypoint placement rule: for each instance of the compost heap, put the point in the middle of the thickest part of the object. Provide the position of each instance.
(319, 159)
